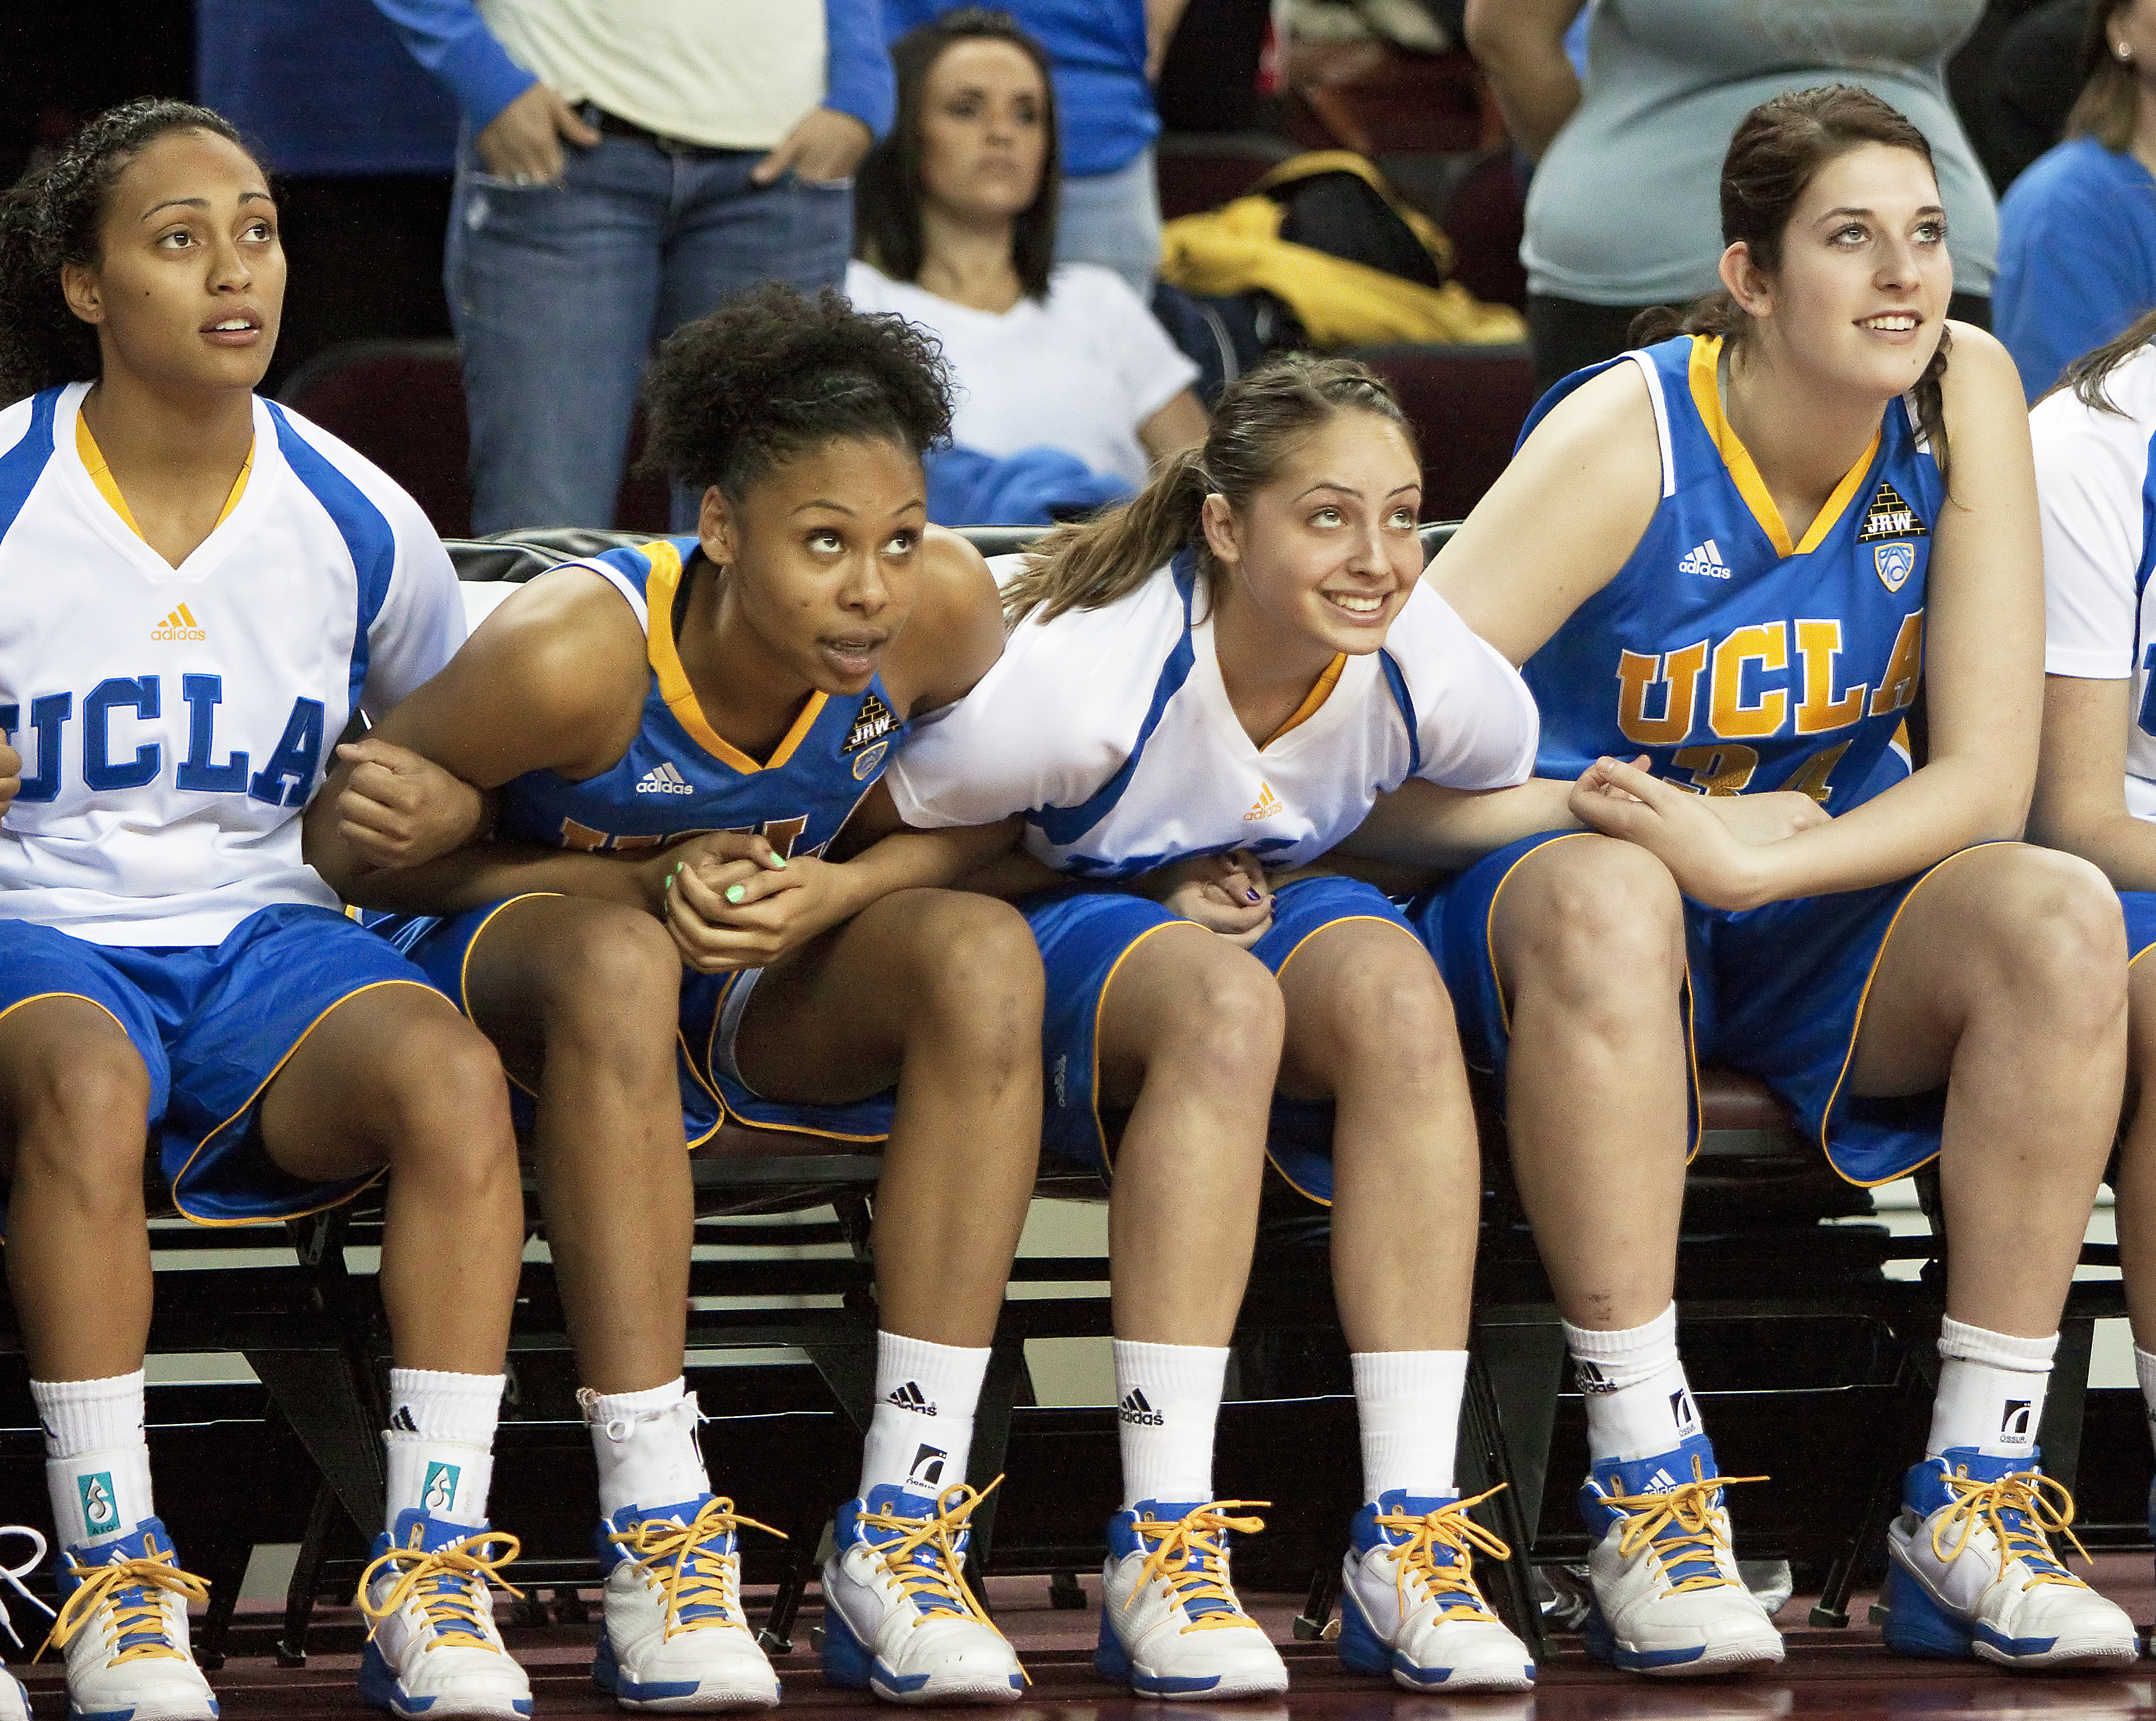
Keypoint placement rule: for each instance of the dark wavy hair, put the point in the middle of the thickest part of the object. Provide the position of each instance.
(1777, 148)
(887, 189)
(771, 374)
(1261, 419)
(52, 219)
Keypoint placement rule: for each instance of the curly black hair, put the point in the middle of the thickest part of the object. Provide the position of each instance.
(771, 374)
(52, 218)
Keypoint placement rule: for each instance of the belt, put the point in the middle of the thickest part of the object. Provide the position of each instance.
(614, 126)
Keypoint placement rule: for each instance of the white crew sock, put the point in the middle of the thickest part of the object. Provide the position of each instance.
(97, 1463)
(1639, 1403)
(922, 1432)
(440, 1442)
(2144, 1371)
(1168, 1399)
(1991, 1390)
(645, 1443)
(1407, 1404)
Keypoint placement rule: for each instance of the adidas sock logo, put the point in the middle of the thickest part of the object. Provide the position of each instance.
(1135, 1409)
(662, 779)
(909, 1397)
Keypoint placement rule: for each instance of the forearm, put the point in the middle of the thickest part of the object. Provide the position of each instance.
(1421, 825)
(489, 872)
(858, 78)
(1525, 62)
(2122, 844)
(1012, 875)
(911, 859)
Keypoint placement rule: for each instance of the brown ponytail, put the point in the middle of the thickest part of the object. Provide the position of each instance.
(1260, 420)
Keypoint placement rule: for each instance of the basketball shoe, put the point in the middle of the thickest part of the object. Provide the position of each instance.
(14, 1701)
(898, 1619)
(1170, 1624)
(432, 1647)
(1409, 1604)
(1972, 1573)
(123, 1623)
(675, 1635)
(1668, 1600)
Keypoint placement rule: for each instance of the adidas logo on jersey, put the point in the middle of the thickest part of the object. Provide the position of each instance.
(180, 625)
(662, 779)
(873, 721)
(1706, 559)
(1890, 516)
(1135, 1409)
(909, 1397)
(1268, 804)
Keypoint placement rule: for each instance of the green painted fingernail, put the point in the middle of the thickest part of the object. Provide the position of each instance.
(736, 892)
(778, 861)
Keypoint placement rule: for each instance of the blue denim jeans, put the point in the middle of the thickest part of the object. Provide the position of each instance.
(558, 294)
(1113, 219)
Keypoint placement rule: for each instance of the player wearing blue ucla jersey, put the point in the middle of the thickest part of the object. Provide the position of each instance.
(1203, 692)
(678, 732)
(197, 589)
(1726, 557)
(2096, 778)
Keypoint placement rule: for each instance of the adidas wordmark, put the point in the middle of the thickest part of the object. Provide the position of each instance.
(662, 779)
(1705, 559)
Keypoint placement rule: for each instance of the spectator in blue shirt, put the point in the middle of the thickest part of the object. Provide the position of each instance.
(2078, 230)
(626, 165)
(1103, 55)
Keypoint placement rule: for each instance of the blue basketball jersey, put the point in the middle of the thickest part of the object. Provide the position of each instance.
(679, 777)
(1733, 658)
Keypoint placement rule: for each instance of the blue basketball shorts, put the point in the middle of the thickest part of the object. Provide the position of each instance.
(213, 1025)
(1084, 932)
(711, 1082)
(2139, 907)
(1776, 992)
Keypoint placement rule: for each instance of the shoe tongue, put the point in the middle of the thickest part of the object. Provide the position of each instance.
(898, 1501)
(1659, 1474)
(1989, 1466)
(1400, 1503)
(681, 1512)
(416, 1529)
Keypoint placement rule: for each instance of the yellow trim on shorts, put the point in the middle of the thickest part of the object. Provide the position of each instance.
(711, 1086)
(1697, 1121)
(1703, 374)
(79, 997)
(1856, 1026)
(660, 585)
(1100, 1009)
(376, 1177)
(464, 968)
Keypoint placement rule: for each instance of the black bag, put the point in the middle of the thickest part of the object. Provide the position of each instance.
(1345, 216)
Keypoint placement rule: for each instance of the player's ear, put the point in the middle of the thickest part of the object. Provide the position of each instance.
(1749, 284)
(79, 287)
(1222, 534)
(714, 527)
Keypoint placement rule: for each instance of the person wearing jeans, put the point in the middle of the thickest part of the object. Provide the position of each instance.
(625, 167)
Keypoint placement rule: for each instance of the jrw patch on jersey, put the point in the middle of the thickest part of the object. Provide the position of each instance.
(1890, 516)
(873, 721)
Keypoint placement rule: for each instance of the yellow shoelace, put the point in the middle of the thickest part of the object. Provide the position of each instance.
(693, 1578)
(1448, 1526)
(1703, 1533)
(1988, 1503)
(454, 1616)
(942, 1584)
(156, 1574)
(1197, 1531)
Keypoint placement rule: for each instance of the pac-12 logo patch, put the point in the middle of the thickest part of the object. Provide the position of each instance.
(1895, 563)
(864, 764)
(101, 1512)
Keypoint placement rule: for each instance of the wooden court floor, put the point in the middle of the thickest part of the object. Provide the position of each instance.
(1838, 1674)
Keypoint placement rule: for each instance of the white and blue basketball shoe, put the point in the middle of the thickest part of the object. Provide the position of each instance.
(1409, 1606)
(14, 1701)
(898, 1619)
(432, 1646)
(675, 1637)
(123, 1624)
(1668, 1599)
(1170, 1624)
(1972, 1574)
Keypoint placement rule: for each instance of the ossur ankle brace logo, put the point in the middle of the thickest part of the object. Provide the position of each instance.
(101, 1512)
(440, 1493)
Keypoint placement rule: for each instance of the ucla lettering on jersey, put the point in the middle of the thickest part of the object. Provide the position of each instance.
(680, 778)
(1734, 658)
(174, 721)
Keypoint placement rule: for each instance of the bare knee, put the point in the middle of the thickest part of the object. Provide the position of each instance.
(445, 1104)
(1593, 925)
(2051, 928)
(1390, 1011)
(81, 1116)
(611, 982)
(976, 977)
(1227, 1025)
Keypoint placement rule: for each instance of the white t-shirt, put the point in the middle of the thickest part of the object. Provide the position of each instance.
(1080, 371)
(173, 721)
(1110, 730)
(2095, 486)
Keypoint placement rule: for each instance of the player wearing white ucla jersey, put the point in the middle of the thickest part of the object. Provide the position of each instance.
(2096, 778)
(1202, 692)
(679, 731)
(197, 589)
(1716, 556)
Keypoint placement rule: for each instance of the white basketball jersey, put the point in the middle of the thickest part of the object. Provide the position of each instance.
(174, 721)
(1110, 730)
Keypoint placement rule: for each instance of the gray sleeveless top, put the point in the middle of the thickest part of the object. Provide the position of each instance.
(1623, 209)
